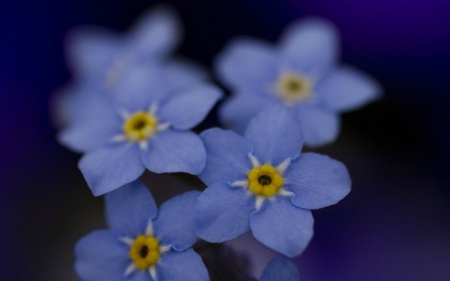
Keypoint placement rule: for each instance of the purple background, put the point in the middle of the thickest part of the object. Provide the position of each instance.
(394, 225)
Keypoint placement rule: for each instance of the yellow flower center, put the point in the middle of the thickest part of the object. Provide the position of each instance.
(140, 126)
(145, 251)
(264, 181)
(293, 87)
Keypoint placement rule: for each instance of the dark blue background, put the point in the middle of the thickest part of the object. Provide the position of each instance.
(394, 225)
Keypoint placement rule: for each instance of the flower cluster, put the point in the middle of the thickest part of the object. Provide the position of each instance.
(131, 108)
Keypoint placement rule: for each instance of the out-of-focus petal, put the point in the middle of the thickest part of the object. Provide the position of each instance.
(175, 224)
(227, 156)
(223, 212)
(92, 121)
(282, 227)
(311, 44)
(347, 89)
(61, 100)
(90, 50)
(181, 266)
(129, 208)
(319, 125)
(139, 86)
(111, 166)
(317, 181)
(280, 269)
(173, 151)
(185, 110)
(276, 135)
(183, 74)
(247, 62)
(101, 256)
(156, 33)
(237, 111)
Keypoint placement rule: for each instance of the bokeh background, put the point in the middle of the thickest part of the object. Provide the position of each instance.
(394, 225)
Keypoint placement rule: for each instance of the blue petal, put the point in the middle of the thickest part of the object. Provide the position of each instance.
(90, 50)
(82, 101)
(181, 266)
(317, 181)
(282, 227)
(227, 156)
(156, 33)
(320, 126)
(129, 208)
(185, 110)
(83, 136)
(61, 100)
(92, 122)
(111, 166)
(280, 269)
(173, 151)
(276, 135)
(175, 224)
(101, 256)
(139, 86)
(223, 212)
(247, 62)
(183, 74)
(237, 111)
(311, 44)
(347, 89)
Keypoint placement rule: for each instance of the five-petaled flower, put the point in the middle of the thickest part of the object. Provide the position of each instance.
(142, 243)
(263, 183)
(300, 73)
(140, 125)
(279, 269)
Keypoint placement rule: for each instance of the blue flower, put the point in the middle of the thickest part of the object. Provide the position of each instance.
(99, 56)
(77, 99)
(280, 269)
(263, 183)
(301, 73)
(142, 243)
(140, 125)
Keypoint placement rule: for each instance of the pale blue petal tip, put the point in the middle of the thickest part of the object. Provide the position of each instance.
(111, 166)
(280, 269)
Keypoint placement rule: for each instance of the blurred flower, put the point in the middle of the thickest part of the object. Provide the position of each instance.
(281, 270)
(300, 73)
(139, 126)
(100, 56)
(142, 243)
(263, 183)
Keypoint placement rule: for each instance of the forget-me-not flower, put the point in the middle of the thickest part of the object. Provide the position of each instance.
(279, 269)
(141, 126)
(262, 182)
(142, 243)
(301, 72)
(99, 56)
(77, 99)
